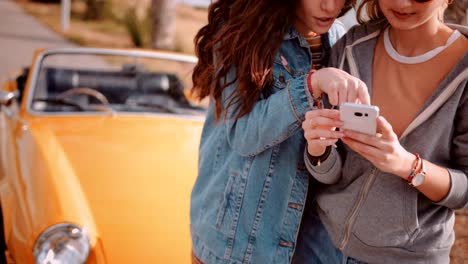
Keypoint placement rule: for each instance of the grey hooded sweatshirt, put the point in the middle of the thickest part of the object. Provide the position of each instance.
(376, 217)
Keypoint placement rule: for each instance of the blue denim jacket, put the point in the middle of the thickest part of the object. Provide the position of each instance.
(249, 197)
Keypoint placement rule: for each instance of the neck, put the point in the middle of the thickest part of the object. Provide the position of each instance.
(428, 36)
(303, 29)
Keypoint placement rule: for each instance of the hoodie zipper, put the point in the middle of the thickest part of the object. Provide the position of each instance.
(357, 206)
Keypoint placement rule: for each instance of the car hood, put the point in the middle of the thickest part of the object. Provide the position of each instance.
(135, 175)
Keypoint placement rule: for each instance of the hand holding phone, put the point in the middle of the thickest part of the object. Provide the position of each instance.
(359, 117)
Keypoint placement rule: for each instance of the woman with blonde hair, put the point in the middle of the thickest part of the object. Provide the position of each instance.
(391, 196)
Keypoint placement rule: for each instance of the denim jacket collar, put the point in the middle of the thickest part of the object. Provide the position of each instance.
(292, 33)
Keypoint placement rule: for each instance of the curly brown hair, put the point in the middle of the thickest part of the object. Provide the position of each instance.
(244, 36)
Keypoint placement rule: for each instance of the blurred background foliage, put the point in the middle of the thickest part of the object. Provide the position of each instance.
(123, 23)
(457, 12)
(151, 24)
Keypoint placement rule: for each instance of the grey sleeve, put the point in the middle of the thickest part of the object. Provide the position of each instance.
(457, 198)
(329, 171)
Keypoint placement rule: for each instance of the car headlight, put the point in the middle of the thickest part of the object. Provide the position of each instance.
(62, 243)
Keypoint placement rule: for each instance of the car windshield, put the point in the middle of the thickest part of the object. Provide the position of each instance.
(113, 81)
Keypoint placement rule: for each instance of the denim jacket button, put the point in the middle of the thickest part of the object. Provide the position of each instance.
(282, 79)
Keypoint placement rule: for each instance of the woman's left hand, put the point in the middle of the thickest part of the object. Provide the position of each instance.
(383, 150)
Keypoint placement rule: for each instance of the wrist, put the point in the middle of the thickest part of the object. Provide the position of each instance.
(313, 87)
(407, 166)
(317, 160)
(317, 153)
(317, 93)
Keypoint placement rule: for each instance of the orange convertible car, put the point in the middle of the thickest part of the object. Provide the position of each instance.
(98, 154)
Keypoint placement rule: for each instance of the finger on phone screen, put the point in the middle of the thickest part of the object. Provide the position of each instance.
(352, 95)
(363, 93)
(333, 96)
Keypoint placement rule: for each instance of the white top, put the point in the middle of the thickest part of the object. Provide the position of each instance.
(420, 58)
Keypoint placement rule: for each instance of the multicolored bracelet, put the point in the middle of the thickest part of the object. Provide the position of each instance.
(317, 101)
(414, 170)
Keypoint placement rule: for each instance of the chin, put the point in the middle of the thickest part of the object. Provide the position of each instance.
(404, 26)
(321, 30)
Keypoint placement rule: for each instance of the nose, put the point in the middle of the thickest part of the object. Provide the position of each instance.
(403, 3)
(330, 6)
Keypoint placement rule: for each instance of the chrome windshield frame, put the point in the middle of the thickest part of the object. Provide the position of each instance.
(148, 54)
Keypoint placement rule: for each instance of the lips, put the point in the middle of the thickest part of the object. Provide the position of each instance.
(324, 21)
(402, 15)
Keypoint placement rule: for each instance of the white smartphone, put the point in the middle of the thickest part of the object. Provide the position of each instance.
(359, 117)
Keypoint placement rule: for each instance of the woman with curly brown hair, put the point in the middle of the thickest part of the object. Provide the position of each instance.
(256, 62)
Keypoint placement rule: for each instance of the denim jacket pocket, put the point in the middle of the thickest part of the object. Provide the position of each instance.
(228, 199)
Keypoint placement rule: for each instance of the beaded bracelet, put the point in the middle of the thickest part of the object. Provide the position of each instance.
(415, 168)
(317, 101)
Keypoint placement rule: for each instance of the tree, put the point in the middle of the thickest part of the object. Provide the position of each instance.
(96, 9)
(163, 14)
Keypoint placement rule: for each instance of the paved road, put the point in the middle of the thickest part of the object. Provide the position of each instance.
(20, 35)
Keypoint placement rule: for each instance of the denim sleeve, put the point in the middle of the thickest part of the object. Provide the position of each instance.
(271, 121)
(457, 198)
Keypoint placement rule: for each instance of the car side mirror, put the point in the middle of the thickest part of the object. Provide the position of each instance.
(6, 97)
